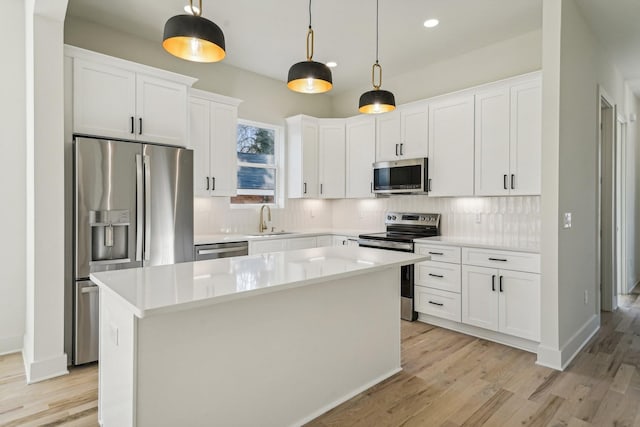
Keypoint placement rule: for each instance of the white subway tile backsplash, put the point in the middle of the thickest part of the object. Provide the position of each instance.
(508, 220)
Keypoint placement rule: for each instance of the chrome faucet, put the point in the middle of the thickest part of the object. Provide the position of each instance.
(263, 225)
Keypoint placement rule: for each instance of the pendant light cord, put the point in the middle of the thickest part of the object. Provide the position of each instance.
(309, 14)
(377, 25)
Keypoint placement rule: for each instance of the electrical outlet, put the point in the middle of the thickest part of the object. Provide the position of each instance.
(586, 297)
(567, 220)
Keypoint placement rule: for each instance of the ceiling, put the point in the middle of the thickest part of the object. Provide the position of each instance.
(267, 37)
(615, 24)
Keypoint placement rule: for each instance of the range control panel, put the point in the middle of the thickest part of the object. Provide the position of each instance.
(424, 219)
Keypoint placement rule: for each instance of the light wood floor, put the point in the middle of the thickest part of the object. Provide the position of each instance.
(448, 380)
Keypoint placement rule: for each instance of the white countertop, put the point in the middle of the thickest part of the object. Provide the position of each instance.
(154, 290)
(205, 239)
(484, 244)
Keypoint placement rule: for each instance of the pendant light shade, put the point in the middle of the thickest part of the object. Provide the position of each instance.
(309, 76)
(194, 38)
(377, 100)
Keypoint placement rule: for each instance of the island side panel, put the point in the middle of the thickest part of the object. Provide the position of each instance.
(271, 360)
(116, 388)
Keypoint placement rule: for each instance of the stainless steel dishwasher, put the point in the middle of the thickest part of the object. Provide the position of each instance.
(221, 250)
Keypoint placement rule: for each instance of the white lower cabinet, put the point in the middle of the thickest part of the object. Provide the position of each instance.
(492, 289)
(502, 300)
(324, 241)
(437, 303)
(276, 245)
(345, 241)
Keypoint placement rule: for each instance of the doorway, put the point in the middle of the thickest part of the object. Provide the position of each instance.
(606, 233)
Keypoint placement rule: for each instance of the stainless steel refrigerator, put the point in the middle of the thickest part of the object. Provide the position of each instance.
(133, 207)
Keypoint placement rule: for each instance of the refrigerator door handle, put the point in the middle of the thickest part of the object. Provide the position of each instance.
(139, 207)
(147, 206)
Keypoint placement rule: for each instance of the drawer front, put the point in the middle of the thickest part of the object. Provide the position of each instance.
(439, 275)
(438, 303)
(439, 253)
(518, 261)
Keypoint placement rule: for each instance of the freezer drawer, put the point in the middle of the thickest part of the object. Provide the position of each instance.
(85, 323)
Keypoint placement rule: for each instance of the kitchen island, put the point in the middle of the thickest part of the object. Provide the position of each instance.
(272, 340)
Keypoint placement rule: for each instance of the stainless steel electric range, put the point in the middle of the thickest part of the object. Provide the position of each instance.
(402, 230)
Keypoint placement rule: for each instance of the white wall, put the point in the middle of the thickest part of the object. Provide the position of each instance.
(12, 174)
(574, 64)
(264, 99)
(507, 58)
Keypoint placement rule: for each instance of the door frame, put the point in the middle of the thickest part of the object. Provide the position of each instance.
(621, 204)
(606, 127)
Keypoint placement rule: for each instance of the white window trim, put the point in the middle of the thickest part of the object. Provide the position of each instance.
(278, 155)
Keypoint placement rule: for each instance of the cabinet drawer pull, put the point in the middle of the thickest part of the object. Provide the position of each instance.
(320, 188)
(140, 128)
(439, 304)
(513, 182)
(401, 153)
(304, 186)
(436, 275)
(436, 253)
(397, 149)
(501, 284)
(493, 283)
(504, 181)
(207, 183)
(498, 259)
(132, 126)
(213, 183)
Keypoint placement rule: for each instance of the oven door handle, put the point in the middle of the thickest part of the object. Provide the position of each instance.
(386, 244)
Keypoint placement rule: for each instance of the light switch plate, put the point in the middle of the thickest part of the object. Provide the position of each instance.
(567, 220)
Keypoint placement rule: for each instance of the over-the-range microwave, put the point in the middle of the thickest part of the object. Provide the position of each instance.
(408, 176)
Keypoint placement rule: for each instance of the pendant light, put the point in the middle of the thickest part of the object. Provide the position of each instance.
(309, 76)
(194, 38)
(377, 100)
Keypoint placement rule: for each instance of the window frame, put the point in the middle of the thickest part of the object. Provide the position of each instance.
(278, 165)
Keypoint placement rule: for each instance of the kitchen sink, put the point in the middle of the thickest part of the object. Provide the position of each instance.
(273, 233)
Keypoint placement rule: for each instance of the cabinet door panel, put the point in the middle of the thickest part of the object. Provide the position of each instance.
(162, 106)
(360, 155)
(387, 136)
(492, 143)
(324, 241)
(332, 159)
(526, 138)
(414, 131)
(223, 157)
(479, 299)
(199, 143)
(520, 304)
(266, 246)
(310, 159)
(301, 243)
(451, 155)
(104, 100)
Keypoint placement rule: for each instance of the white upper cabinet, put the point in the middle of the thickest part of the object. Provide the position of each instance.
(331, 150)
(525, 148)
(213, 121)
(451, 140)
(414, 130)
(302, 157)
(508, 138)
(492, 142)
(360, 155)
(161, 110)
(388, 136)
(402, 133)
(104, 100)
(114, 98)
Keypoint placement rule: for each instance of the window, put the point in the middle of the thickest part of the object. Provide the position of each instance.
(259, 146)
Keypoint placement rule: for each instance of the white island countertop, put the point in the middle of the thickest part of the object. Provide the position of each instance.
(167, 288)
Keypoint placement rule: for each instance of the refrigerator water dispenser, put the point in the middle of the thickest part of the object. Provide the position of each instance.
(109, 236)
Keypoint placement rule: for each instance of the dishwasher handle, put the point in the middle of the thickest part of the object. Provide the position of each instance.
(221, 250)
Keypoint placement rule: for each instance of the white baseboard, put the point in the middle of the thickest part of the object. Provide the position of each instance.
(344, 398)
(40, 370)
(10, 345)
(559, 359)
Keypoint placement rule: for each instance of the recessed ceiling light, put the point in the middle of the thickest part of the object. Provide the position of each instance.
(332, 64)
(187, 9)
(430, 23)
